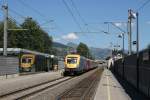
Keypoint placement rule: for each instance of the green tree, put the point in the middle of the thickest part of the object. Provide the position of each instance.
(12, 35)
(35, 38)
(83, 50)
(148, 46)
(1, 34)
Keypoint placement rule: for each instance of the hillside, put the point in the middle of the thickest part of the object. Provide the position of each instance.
(59, 45)
(100, 53)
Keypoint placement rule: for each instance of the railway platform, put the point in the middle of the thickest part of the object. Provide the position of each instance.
(110, 89)
(22, 82)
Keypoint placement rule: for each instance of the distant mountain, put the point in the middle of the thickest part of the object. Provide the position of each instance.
(98, 53)
(59, 45)
(71, 44)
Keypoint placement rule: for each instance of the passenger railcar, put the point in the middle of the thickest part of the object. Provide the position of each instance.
(75, 64)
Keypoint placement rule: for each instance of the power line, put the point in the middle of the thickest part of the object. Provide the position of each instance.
(83, 21)
(35, 10)
(71, 13)
(143, 5)
(17, 13)
(39, 13)
(118, 28)
(77, 11)
(79, 14)
(49, 21)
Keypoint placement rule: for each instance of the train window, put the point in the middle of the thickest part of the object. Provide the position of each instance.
(29, 60)
(71, 60)
(24, 60)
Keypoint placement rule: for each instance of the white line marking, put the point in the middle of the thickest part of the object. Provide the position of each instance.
(108, 88)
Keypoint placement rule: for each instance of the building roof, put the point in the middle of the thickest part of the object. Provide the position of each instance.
(20, 50)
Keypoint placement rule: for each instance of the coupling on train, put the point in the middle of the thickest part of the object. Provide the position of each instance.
(76, 64)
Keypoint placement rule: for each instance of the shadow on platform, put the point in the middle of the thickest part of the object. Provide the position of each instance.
(130, 90)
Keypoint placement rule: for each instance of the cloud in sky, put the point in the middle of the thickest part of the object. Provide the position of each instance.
(118, 24)
(56, 39)
(148, 22)
(70, 36)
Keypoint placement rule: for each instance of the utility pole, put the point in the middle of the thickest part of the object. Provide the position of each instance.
(137, 48)
(129, 32)
(5, 35)
(5, 8)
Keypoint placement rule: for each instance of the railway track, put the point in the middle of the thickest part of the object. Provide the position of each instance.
(84, 90)
(57, 89)
(24, 93)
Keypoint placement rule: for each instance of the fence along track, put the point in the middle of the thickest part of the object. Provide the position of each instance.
(84, 90)
(20, 94)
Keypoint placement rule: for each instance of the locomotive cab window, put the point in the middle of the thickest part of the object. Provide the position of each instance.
(29, 60)
(26, 60)
(72, 60)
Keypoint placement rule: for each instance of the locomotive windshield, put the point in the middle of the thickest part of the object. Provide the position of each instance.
(26, 60)
(72, 60)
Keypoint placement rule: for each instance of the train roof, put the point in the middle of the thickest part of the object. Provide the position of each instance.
(73, 55)
(20, 50)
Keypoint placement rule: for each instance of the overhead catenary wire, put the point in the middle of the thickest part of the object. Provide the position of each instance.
(71, 13)
(74, 5)
(20, 15)
(35, 10)
(143, 5)
(40, 14)
(79, 14)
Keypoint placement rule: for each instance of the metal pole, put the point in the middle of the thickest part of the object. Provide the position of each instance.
(5, 8)
(137, 49)
(123, 55)
(130, 32)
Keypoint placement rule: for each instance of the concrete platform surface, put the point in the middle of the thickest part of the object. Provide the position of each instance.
(21, 82)
(110, 89)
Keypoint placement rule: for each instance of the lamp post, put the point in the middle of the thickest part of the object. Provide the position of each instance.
(124, 32)
(122, 36)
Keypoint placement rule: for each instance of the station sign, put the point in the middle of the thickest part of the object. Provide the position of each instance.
(146, 56)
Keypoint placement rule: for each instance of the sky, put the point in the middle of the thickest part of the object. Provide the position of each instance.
(84, 20)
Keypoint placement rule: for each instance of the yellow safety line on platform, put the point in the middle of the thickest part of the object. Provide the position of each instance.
(108, 88)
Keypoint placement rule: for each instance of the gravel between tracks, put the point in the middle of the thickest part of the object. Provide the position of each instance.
(84, 90)
(53, 92)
